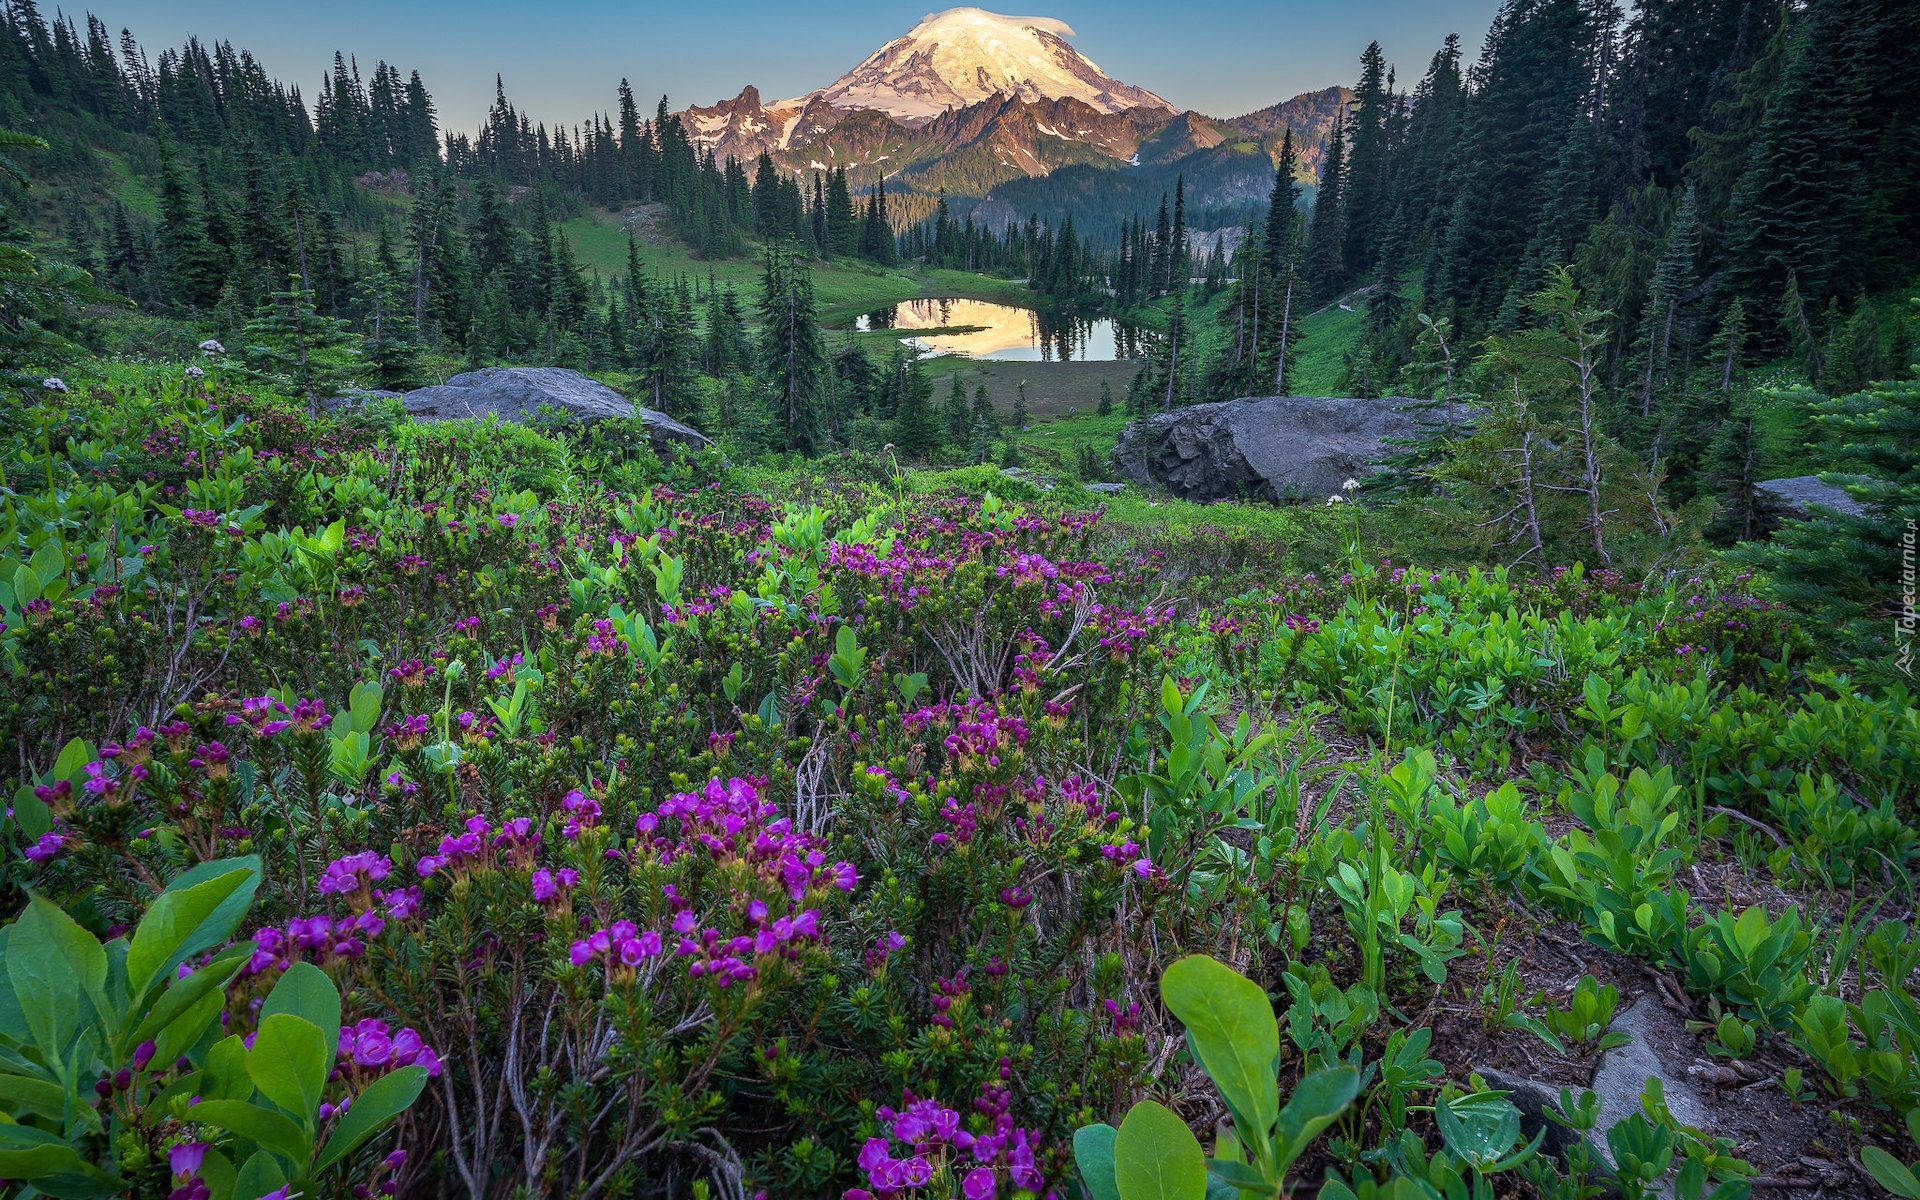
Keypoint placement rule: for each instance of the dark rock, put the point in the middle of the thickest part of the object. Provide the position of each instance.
(1276, 448)
(519, 393)
(1799, 493)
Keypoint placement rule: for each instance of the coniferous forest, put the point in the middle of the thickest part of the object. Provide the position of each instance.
(793, 754)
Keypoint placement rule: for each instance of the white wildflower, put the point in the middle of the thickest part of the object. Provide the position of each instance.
(53, 383)
(211, 348)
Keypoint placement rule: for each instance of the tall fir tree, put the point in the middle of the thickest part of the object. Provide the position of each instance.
(792, 355)
(1326, 241)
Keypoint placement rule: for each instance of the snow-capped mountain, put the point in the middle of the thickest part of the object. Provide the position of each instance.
(970, 100)
(959, 57)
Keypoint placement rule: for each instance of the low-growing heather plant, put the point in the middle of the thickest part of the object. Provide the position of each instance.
(595, 824)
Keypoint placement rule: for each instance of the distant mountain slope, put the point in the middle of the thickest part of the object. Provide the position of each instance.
(1003, 148)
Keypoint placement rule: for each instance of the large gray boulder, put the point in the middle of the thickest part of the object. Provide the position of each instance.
(1799, 493)
(1277, 448)
(518, 394)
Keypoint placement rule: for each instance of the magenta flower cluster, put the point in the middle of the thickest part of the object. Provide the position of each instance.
(267, 716)
(928, 1132)
(622, 942)
(372, 1047)
(458, 852)
(354, 874)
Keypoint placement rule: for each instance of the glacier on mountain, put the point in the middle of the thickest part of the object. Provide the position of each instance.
(962, 56)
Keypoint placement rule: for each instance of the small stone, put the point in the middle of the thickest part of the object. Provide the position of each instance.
(1624, 1070)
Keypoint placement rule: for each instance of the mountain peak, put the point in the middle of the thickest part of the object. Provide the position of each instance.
(962, 56)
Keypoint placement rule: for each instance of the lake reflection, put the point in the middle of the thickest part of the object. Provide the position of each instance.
(1002, 331)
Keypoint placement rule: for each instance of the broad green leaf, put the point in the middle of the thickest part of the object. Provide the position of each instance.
(1890, 1173)
(73, 760)
(216, 1171)
(1238, 1176)
(14, 1029)
(221, 923)
(1093, 1153)
(1484, 1125)
(363, 704)
(383, 1100)
(264, 1127)
(224, 1076)
(306, 992)
(1231, 1027)
(1316, 1102)
(1156, 1157)
(259, 1175)
(185, 1031)
(26, 585)
(41, 1096)
(32, 812)
(54, 1167)
(42, 1160)
(289, 1064)
(170, 922)
(181, 996)
(49, 562)
(51, 962)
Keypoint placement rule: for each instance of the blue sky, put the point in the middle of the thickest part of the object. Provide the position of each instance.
(563, 61)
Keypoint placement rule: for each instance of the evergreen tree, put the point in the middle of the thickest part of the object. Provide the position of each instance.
(1539, 70)
(1734, 466)
(843, 233)
(291, 344)
(1799, 327)
(726, 346)
(1560, 362)
(917, 427)
(193, 267)
(1161, 266)
(1020, 421)
(984, 415)
(1363, 173)
(955, 418)
(1169, 355)
(36, 297)
(1106, 398)
(437, 269)
(1177, 268)
(1842, 572)
(1828, 189)
(389, 344)
(792, 355)
(1326, 249)
(1672, 279)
